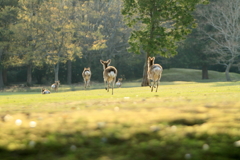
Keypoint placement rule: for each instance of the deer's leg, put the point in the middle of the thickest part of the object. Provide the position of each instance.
(85, 84)
(105, 84)
(112, 86)
(108, 86)
(157, 86)
(149, 82)
(153, 86)
(88, 83)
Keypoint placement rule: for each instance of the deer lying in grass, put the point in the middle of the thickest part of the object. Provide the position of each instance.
(55, 85)
(109, 74)
(45, 91)
(86, 74)
(154, 72)
(119, 82)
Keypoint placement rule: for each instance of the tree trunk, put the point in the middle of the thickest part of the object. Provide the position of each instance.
(69, 72)
(1, 80)
(1, 68)
(4, 74)
(228, 78)
(204, 72)
(145, 69)
(56, 69)
(29, 75)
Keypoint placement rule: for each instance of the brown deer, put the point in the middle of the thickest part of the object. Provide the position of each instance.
(119, 82)
(86, 74)
(109, 74)
(55, 85)
(154, 72)
(45, 91)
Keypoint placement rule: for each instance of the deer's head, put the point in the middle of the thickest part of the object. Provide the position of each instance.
(105, 63)
(119, 79)
(151, 61)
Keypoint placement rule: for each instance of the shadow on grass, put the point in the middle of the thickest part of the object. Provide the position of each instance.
(141, 146)
(187, 122)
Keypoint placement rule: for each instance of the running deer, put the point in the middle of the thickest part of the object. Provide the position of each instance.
(109, 74)
(55, 85)
(45, 91)
(119, 82)
(86, 74)
(154, 72)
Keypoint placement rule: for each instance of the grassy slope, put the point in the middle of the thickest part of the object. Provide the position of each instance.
(183, 119)
(178, 74)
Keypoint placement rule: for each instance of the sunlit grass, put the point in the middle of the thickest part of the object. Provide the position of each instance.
(182, 120)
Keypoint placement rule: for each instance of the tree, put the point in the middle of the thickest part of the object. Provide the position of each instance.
(158, 25)
(26, 38)
(193, 53)
(60, 44)
(222, 26)
(8, 15)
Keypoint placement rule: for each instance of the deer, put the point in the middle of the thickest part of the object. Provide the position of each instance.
(154, 73)
(119, 82)
(86, 74)
(109, 74)
(45, 91)
(55, 85)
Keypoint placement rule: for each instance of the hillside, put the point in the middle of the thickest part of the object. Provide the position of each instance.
(180, 74)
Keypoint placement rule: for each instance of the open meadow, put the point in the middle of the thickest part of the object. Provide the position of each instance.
(183, 120)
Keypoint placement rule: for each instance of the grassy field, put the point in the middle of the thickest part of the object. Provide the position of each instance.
(184, 120)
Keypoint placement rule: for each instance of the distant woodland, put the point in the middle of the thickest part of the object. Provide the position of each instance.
(46, 40)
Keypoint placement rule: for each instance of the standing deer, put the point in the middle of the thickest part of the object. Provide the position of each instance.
(55, 85)
(86, 77)
(154, 72)
(109, 74)
(119, 82)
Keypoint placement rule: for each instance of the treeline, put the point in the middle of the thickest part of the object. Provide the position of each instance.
(46, 40)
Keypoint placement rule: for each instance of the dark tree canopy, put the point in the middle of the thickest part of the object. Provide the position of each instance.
(158, 24)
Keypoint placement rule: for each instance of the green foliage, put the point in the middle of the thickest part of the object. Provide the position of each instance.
(159, 24)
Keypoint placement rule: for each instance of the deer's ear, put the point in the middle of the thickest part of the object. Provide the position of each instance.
(101, 61)
(109, 61)
(153, 58)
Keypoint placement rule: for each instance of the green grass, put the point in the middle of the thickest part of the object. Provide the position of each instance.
(181, 120)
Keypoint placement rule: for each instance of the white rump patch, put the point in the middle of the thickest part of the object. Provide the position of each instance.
(111, 74)
(53, 86)
(157, 69)
(87, 73)
(47, 92)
